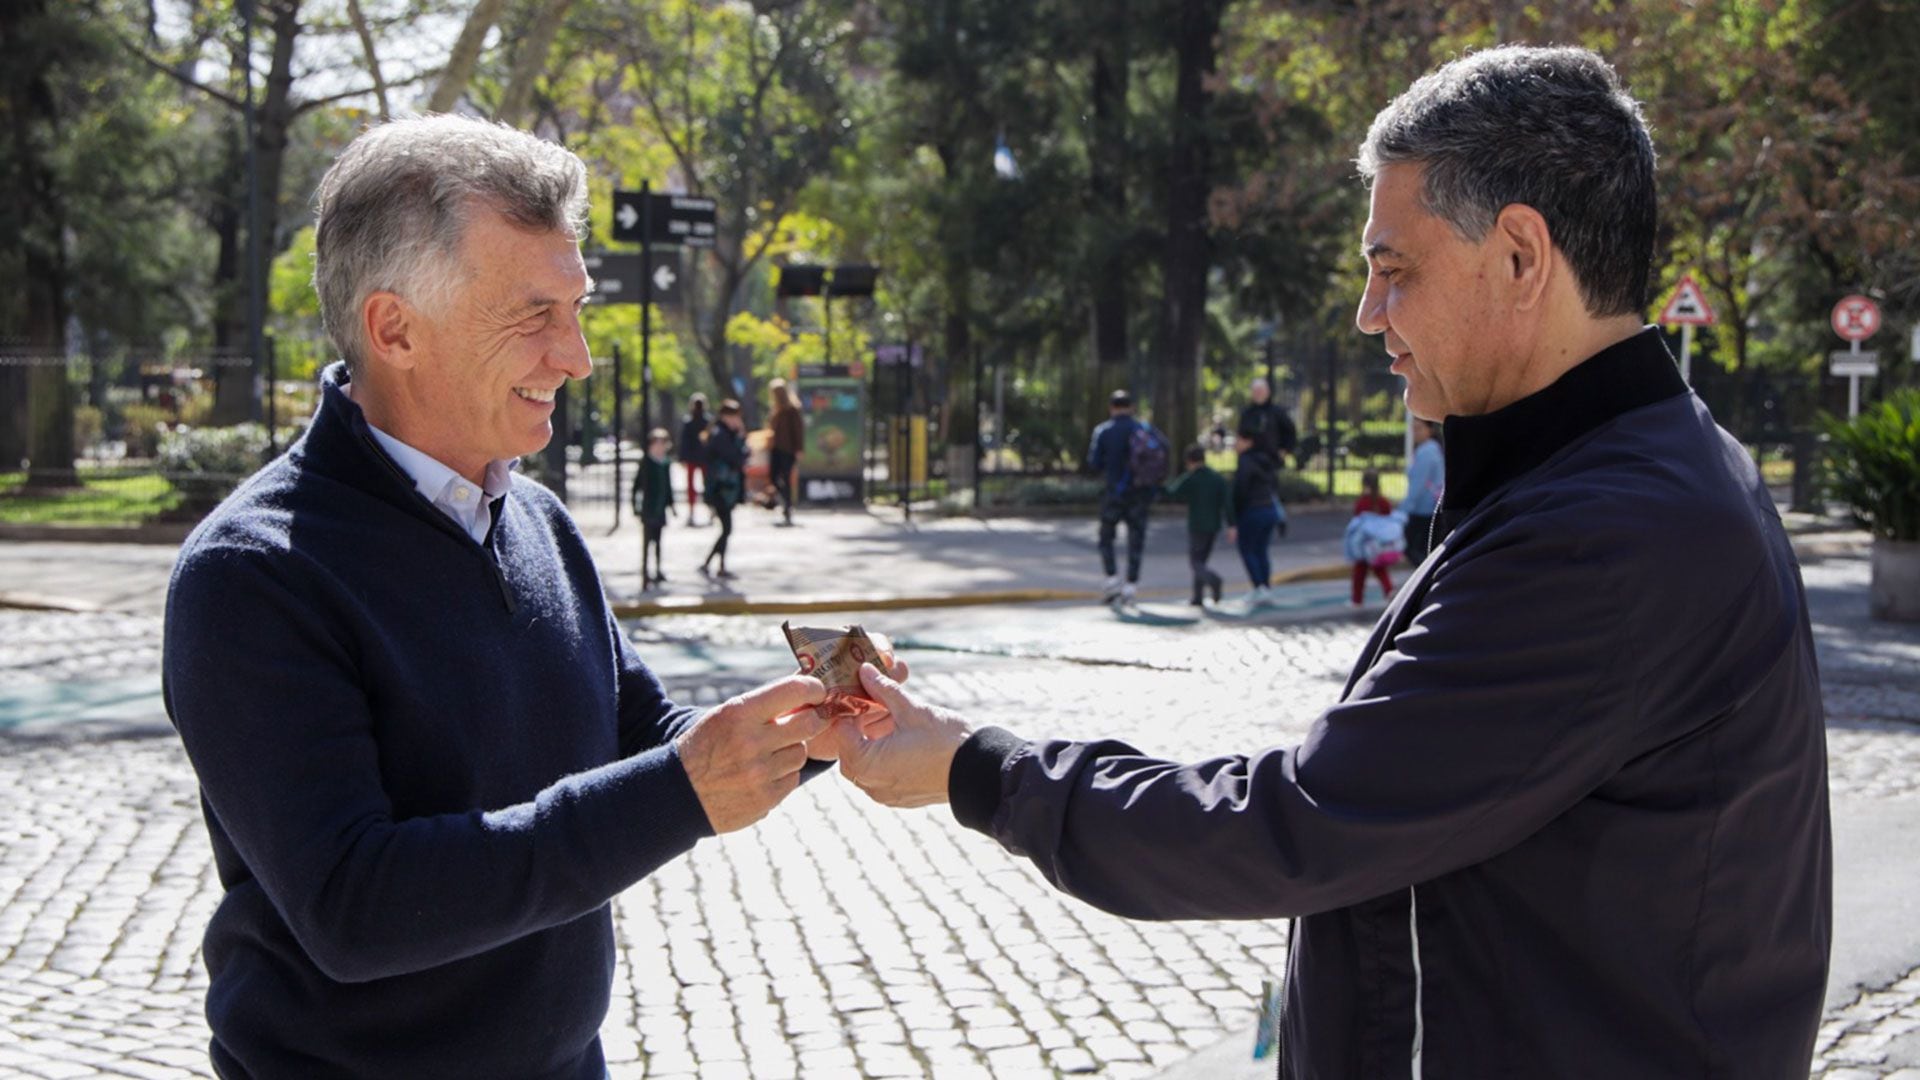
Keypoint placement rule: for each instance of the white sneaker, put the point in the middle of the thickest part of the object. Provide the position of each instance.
(1262, 595)
(1110, 591)
(1127, 598)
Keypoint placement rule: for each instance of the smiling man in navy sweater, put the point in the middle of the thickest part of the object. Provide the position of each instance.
(428, 757)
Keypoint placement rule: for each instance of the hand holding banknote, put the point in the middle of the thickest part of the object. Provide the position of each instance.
(905, 764)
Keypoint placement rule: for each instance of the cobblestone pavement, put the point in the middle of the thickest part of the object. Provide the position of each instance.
(835, 939)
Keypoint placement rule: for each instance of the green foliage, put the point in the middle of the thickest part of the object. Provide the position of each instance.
(224, 453)
(1874, 466)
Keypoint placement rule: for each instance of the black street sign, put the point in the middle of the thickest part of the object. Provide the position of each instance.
(616, 278)
(853, 279)
(801, 281)
(675, 219)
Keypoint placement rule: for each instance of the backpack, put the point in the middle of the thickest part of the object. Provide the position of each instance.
(1147, 456)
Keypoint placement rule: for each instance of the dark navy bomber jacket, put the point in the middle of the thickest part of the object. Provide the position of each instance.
(426, 765)
(1568, 818)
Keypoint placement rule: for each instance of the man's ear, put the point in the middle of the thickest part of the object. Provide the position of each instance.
(392, 329)
(1528, 253)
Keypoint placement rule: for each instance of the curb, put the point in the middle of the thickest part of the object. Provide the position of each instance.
(20, 601)
(745, 605)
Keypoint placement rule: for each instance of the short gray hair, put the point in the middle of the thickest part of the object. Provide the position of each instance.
(1549, 128)
(391, 212)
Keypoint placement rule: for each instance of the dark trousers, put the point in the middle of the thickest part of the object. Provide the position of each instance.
(1256, 532)
(1199, 550)
(781, 464)
(722, 513)
(650, 545)
(1132, 507)
(1419, 532)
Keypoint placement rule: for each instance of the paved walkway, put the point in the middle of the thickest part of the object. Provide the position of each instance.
(838, 939)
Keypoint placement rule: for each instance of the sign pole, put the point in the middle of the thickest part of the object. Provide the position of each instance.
(1853, 384)
(1686, 353)
(618, 494)
(646, 306)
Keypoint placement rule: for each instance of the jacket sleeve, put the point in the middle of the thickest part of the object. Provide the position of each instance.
(1507, 700)
(1095, 458)
(1230, 515)
(282, 739)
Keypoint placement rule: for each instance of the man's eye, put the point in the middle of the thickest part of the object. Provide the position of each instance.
(535, 324)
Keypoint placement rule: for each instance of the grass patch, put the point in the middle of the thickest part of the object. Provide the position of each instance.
(110, 501)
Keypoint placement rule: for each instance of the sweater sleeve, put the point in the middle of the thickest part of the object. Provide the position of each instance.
(1477, 728)
(282, 739)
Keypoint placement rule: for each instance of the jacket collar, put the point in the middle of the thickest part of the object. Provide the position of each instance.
(1484, 453)
(340, 444)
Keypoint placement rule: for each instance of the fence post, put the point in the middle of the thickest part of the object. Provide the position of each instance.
(269, 349)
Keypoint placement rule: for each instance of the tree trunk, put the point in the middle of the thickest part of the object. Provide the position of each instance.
(1108, 161)
(47, 401)
(1177, 383)
(530, 61)
(465, 56)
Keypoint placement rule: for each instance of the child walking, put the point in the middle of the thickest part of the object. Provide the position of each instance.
(1374, 538)
(1209, 499)
(652, 502)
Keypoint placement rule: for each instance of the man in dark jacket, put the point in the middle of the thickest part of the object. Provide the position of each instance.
(1569, 816)
(1123, 497)
(428, 755)
(1266, 422)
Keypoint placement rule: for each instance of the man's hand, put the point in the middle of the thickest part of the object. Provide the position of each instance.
(745, 756)
(906, 766)
(1233, 535)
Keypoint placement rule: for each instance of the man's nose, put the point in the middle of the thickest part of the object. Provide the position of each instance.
(1372, 316)
(570, 353)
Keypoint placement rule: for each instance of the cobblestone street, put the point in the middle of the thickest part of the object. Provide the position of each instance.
(835, 939)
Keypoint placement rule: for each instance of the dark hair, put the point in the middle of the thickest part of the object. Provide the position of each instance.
(1370, 481)
(1120, 399)
(1196, 453)
(1549, 128)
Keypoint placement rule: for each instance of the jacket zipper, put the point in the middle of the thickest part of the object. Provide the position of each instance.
(1419, 981)
(441, 521)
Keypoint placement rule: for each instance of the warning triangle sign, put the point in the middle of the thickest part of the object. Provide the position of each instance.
(1688, 305)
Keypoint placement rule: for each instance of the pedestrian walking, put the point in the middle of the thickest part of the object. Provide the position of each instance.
(1209, 499)
(1373, 540)
(428, 756)
(652, 502)
(789, 439)
(1256, 501)
(726, 481)
(1426, 475)
(693, 450)
(1267, 423)
(1569, 815)
(1131, 458)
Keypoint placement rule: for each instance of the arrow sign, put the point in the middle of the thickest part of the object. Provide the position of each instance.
(663, 219)
(1688, 305)
(617, 278)
(627, 217)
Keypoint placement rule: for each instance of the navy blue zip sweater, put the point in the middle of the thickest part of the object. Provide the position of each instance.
(426, 765)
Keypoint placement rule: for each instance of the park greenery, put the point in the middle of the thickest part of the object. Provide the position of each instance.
(1063, 196)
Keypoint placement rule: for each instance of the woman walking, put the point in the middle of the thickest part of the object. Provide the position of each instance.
(1256, 497)
(693, 448)
(789, 435)
(726, 479)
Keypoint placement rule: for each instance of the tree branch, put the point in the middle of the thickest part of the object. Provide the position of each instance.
(180, 77)
(359, 20)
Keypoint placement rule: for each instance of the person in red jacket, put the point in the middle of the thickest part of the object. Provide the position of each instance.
(1370, 502)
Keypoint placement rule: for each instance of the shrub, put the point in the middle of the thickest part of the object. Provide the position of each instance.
(141, 425)
(206, 463)
(88, 427)
(1875, 465)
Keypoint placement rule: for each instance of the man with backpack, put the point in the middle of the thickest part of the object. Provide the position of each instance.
(1131, 456)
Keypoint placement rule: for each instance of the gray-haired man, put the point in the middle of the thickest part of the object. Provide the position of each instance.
(428, 756)
(1569, 817)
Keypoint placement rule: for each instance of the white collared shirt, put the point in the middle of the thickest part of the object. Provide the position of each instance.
(453, 494)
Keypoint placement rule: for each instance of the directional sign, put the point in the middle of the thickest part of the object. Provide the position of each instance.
(664, 219)
(1856, 318)
(616, 278)
(1688, 306)
(1865, 364)
(801, 281)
